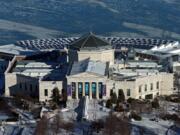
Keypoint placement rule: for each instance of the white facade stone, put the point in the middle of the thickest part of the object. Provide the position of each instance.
(97, 55)
(49, 86)
(164, 80)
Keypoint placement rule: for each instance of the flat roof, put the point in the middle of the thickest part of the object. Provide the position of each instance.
(131, 73)
(88, 65)
(49, 70)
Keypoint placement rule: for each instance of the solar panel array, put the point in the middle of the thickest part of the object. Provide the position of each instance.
(116, 42)
(141, 43)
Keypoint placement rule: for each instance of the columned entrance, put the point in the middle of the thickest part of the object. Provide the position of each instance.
(95, 90)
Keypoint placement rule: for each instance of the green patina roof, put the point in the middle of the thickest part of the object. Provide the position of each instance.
(89, 41)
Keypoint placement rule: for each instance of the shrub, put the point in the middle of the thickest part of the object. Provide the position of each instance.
(173, 98)
(119, 108)
(97, 125)
(173, 117)
(121, 96)
(109, 103)
(167, 98)
(130, 100)
(56, 96)
(114, 98)
(155, 103)
(136, 116)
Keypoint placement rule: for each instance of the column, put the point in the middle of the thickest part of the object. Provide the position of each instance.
(69, 89)
(77, 97)
(97, 90)
(83, 89)
(90, 90)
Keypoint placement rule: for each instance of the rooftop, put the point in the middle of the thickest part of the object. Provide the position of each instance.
(173, 47)
(49, 70)
(161, 55)
(88, 65)
(90, 41)
(136, 72)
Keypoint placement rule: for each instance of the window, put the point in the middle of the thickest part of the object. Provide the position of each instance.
(25, 86)
(73, 90)
(20, 85)
(46, 92)
(31, 88)
(140, 87)
(87, 88)
(145, 87)
(151, 86)
(150, 96)
(100, 88)
(120, 92)
(93, 90)
(37, 88)
(157, 94)
(157, 85)
(80, 89)
(128, 92)
(139, 97)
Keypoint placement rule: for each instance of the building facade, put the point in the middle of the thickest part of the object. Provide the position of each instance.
(100, 87)
(92, 71)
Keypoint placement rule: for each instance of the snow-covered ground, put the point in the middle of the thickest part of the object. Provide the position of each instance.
(95, 112)
(152, 127)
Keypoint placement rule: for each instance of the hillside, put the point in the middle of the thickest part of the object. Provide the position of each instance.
(31, 19)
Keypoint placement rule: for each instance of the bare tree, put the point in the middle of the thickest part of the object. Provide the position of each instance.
(68, 127)
(114, 125)
(56, 96)
(42, 126)
(56, 124)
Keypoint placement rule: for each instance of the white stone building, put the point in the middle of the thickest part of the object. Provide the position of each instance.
(97, 76)
(92, 71)
(92, 78)
(33, 78)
